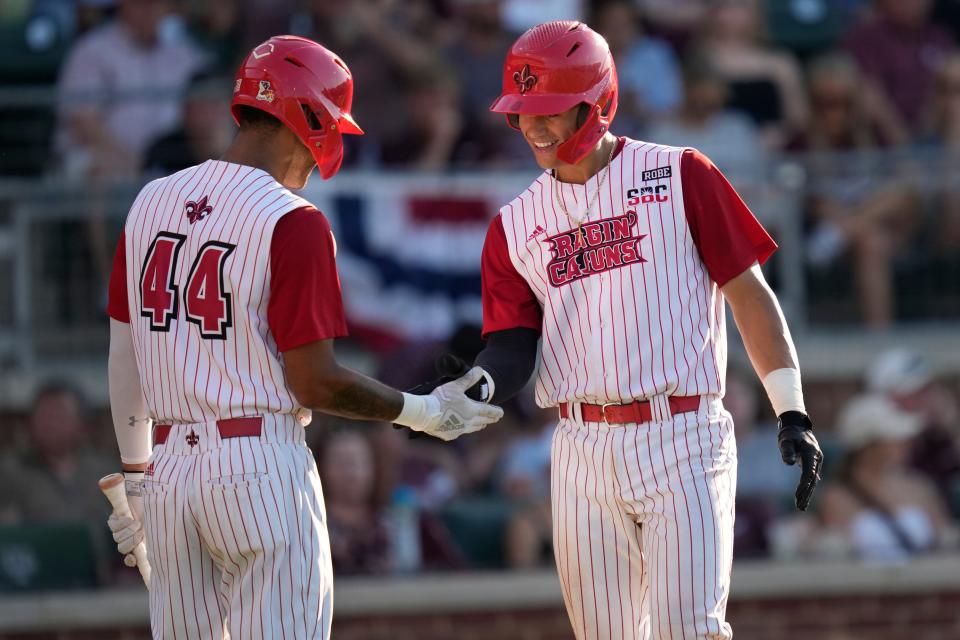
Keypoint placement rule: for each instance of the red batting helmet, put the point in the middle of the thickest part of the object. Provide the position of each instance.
(305, 86)
(554, 67)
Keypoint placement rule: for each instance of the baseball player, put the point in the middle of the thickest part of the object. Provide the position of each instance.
(618, 258)
(224, 304)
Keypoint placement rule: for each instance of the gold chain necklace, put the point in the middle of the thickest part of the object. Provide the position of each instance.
(593, 200)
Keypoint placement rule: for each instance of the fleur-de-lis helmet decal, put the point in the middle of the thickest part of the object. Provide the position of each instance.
(554, 67)
(524, 79)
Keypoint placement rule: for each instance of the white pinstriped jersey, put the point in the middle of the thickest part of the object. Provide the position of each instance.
(198, 249)
(634, 309)
(629, 307)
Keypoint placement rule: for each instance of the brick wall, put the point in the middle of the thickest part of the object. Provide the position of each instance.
(887, 617)
(789, 601)
(931, 616)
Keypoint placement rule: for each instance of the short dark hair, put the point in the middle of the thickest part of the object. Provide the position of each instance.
(253, 118)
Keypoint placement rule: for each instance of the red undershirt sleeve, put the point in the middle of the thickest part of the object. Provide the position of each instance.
(725, 231)
(118, 306)
(508, 302)
(305, 301)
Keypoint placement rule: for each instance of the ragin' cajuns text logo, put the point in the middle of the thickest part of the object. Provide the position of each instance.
(596, 247)
(524, 79)
(197, 210)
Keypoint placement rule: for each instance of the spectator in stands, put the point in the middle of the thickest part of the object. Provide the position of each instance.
(900, 49)
(847, 113)
(429, 477)
(756, 475)
(205, 131)
(359, 534)
(217, 27)
(765, 487)
(55, 480)
(678, 20)
(477, 51)
(884, 511)
(727, 137)
(434, 129)
(941, 135)
(810, 26)
(650, 85)
(262, 19)
(431, 470)
(407, 33)
(906, 379)
(764, 83)
(479, 43)
(383, 43)
(856, 202)
(119, 89)
(522, 476)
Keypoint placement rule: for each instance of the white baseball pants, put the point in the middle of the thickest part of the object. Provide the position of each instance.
(643, 524)
(236, 535)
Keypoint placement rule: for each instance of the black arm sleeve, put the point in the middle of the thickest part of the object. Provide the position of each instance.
(509, 358)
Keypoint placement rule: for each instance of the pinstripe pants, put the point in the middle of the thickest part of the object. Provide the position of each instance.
(236, 535)
(643, 525)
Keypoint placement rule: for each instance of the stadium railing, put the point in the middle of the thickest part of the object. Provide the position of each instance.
(57, 237)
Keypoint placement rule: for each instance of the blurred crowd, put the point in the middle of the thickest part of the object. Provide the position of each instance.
(142, 88)
(397, 504)
(142, 84)
(856, 93)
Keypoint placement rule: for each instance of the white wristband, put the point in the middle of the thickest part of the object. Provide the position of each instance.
(490, 387)
(784, 390)
(417, 411)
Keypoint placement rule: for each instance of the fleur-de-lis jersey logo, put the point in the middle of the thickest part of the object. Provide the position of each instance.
(197, 210)
(524, 79)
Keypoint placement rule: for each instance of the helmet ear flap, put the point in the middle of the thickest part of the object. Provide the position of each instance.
(311, 117)
(582, 114)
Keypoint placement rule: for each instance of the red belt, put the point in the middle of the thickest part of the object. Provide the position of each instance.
(229, 428)
(638, 411)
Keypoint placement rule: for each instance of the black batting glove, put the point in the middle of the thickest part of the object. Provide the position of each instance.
(449, 367)
(797, 442)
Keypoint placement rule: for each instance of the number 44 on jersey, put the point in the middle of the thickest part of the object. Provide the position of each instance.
(206, 302)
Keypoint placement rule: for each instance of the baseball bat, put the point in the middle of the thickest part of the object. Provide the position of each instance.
(112, 486)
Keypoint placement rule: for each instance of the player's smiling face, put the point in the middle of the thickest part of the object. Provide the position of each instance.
(545, 133)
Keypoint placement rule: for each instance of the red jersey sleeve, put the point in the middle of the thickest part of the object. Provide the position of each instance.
(508, 302)
(727, 234)
(305, 303)
(117, 304)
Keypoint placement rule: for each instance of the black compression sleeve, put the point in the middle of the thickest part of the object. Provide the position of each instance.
(509, 358)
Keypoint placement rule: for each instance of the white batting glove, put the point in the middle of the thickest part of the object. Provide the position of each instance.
(447, 413)
(128, 531)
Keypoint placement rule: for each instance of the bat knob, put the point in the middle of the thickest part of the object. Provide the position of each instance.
(110, 481)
